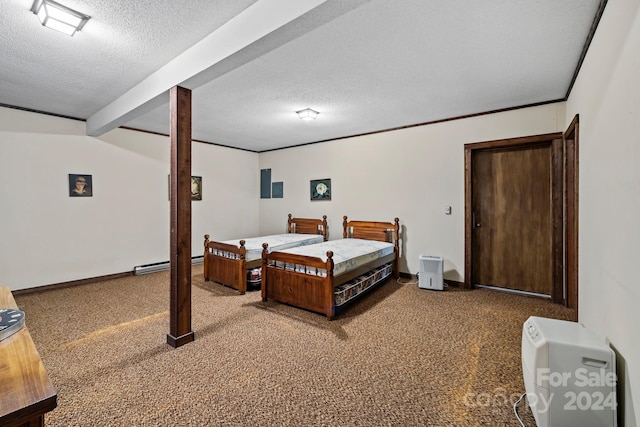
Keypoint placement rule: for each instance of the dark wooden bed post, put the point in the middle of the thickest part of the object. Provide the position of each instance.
(330, 308)
(206, 257)
(242, 268)
(263, 285)
(396, 248)
(290, 224)
(344, 227)
(325, 228)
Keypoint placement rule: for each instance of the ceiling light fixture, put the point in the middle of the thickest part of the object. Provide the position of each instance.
(59, 17)
(307, 114)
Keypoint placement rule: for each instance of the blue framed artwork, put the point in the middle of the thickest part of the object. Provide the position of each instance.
(277, 190)
(265, 183)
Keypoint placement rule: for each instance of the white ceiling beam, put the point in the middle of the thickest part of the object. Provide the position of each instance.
(246, 29)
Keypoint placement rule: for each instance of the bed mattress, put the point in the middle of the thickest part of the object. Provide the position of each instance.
(276, 242)
(348, 254)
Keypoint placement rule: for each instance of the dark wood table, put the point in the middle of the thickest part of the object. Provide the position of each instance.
(26, 393)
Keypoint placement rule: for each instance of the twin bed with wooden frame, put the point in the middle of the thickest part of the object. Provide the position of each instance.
(227, 262)
(324, 276)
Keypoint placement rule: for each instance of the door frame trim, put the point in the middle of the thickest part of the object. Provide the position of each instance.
(571, 151)
(555, 139)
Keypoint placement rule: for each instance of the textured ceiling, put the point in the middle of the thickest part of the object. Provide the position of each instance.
(365, 65)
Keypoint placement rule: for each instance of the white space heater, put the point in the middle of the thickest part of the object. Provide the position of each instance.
(430, 275)
(569, 374)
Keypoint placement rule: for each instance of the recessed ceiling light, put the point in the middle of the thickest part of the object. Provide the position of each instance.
(307, 114)
(59, 17)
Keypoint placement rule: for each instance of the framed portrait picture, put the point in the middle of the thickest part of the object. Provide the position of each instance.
(80, 185)
(196, 187)
(321, 189)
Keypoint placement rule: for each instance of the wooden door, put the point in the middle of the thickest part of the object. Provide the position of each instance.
(509, 185)
(512, 218)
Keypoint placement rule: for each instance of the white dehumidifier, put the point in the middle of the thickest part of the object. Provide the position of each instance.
(430, 275)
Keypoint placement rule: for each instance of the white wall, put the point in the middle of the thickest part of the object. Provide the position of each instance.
(606, 95)
(410, 174)
(48, 237)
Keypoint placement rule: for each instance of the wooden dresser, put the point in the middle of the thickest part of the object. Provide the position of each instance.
(26, 393)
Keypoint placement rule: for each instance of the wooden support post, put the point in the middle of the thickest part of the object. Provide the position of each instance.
(180, 223)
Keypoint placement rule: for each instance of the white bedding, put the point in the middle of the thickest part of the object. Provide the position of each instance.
(348, 254)
(276, 242)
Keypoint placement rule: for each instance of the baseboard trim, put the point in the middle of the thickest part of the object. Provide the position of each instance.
(194, 261)
(454, 283)
(447, 282)
(514, 291)
(71, 283)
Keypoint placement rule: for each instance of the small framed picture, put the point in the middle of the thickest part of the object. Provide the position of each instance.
(321, 189)
(196, 188)
(277, 190)
(80, 185)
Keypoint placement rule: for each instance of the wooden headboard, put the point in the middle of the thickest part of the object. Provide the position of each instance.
(308, 226)
(371, 230)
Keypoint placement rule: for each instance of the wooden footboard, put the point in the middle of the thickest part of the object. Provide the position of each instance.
(311, 285)
(308, 290)
(228, 270)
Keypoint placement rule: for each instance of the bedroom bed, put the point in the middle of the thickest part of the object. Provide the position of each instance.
(325, 276)
(229, 262)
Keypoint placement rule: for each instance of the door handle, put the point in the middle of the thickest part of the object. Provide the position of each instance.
(473, 221)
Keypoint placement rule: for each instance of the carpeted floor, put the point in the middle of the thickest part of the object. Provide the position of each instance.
(400, 356)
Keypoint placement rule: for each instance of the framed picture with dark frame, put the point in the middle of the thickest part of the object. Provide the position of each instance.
(277, 190)
(196, 187)
(320, 189)
(80, 185)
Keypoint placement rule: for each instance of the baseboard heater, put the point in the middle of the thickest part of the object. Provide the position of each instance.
(161, 266)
